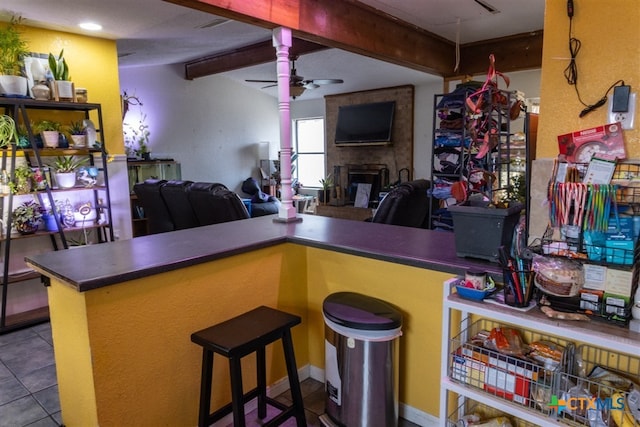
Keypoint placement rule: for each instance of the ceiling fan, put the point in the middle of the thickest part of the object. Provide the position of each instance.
(298, 84)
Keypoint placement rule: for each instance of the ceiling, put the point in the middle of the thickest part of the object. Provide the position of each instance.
(154, 32)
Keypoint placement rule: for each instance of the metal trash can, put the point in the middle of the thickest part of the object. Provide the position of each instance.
(361, 360)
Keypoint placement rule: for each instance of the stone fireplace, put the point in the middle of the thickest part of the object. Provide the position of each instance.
(375, 165)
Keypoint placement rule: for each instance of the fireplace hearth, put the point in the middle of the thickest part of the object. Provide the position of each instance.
(375, 174)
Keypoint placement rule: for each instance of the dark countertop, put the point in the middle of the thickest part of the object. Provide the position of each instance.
(124, 260)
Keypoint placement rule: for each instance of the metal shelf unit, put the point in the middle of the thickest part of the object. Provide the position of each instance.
(19, 109)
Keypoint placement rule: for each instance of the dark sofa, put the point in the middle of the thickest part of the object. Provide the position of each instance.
(176, 205)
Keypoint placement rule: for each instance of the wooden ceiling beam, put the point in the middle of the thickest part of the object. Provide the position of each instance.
(358, 28)
(345, 24)
(512, 53)
(259, 53)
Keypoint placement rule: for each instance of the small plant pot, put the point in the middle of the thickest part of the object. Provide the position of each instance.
(28, 227)
(324, 196)
(79, 141)
(66, 179)
(50, 222)
(50, 138)
(65, 90)
(41, 92)
(13, 85)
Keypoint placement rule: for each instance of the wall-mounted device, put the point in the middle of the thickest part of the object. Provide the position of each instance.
(622, 106)
(365, 124)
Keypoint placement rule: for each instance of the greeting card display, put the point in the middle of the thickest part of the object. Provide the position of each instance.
(604, 142)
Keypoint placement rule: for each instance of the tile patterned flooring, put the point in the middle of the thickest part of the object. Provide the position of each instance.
(28, 384)
(29, 388)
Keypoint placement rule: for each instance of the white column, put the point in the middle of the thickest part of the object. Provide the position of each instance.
(282, 43)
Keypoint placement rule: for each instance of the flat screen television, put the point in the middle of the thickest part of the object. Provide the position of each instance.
(365, 124)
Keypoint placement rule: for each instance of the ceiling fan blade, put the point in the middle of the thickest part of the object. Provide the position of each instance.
(311, 85)
(260, 81)
(273, 85)
(325, 81)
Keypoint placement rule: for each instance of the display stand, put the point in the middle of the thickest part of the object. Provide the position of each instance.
(77, 224)
(616, 345)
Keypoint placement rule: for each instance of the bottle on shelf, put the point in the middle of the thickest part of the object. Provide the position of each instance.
(4, 182)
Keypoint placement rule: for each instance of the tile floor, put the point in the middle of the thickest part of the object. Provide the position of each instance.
(28, 384)
(29, 390)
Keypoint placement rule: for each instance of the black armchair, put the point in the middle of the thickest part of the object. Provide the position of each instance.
(214, 203)
(155, 209)
(406, 205)
(176, 197)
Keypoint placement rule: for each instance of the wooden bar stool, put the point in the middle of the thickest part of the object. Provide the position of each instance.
(235, 338)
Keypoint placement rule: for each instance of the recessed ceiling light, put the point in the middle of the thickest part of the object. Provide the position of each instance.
(91, 26)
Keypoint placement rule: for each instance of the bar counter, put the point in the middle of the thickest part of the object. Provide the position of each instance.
(122, 313)
(130, 259)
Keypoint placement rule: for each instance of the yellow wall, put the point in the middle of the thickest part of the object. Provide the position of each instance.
(610, 36)
(134, 344)
(93, 64)
(415, 291)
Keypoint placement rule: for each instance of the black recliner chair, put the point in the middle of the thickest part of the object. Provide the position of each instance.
(214, 203)
(155, 209)
(406, 205)
(176, 197)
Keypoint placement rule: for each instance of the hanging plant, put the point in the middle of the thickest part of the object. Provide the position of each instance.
(136, 136)
(128, 101)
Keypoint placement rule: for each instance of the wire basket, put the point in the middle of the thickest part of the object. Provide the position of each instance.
(522, 380)
(469, 407)
(600, 376)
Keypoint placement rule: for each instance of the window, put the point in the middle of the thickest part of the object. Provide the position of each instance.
(309, 145)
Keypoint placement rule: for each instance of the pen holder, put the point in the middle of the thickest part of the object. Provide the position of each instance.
(517, 287)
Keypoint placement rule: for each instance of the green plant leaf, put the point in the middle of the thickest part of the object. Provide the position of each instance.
(8, 131)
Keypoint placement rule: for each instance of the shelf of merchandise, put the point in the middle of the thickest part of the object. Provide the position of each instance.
(499, 161)
(616, 339)
(19, 109)
(448, 143)
(459, 416)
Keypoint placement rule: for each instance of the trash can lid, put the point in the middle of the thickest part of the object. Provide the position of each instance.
(357, 311)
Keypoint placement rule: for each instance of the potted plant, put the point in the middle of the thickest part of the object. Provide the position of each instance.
(325, 192)
(8, 131)
(26, 217)
(23, 136)
(22, 180)
(13, 49)
(78, 134)
(60, 71)
(65, 170)
(50, 132)
(136, 139)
